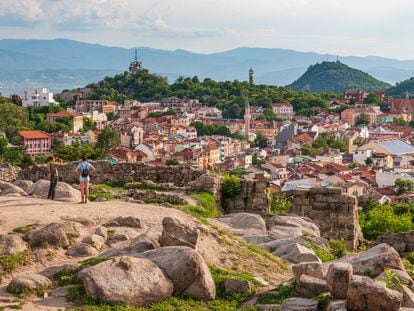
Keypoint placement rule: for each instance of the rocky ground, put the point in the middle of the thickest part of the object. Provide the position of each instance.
(122, 252)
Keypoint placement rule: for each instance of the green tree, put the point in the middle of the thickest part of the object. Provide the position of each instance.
(261, 141)
(362, 119)
(399, 121)
(402, 186)
(257, 161)
(88, 124)
(280, 204)
(171, 162)
(108, 139)
(231, 186)
(13, 119)
(373, 99)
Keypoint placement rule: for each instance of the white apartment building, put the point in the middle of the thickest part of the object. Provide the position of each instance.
(39, 97)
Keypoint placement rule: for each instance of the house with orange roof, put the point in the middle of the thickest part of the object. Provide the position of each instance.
(36, 142)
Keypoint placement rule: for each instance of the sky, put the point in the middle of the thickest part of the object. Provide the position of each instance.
(340, 27)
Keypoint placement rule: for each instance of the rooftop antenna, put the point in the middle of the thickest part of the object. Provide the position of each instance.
(337, 58)
(136, 55)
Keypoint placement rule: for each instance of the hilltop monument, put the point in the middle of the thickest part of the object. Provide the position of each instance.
(135, 66)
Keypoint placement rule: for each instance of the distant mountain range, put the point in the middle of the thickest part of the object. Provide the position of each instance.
(335, 77)
(59, 64)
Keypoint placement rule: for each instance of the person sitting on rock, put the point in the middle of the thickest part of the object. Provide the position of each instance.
(52, 167)
(84, 168)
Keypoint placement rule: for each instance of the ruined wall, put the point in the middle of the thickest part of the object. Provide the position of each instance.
(122, 172)
(335, 214)
(8, 172)
(254, 197)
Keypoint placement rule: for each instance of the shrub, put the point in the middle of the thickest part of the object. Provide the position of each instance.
(172, 162)
(280, 204)
(323, 253)
(338, 247)
(231, 186)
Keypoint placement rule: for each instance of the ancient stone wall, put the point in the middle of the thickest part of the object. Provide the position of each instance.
(335, 214)
(254, 197)
(119, 173)
(8, 172)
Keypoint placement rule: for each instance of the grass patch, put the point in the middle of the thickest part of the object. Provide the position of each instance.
(323, 301)
(22, 293)
(207, 205)
(10, 262)
(139, 186)
(24, 229)
(323, 253)
(283, 292)
(91, 262)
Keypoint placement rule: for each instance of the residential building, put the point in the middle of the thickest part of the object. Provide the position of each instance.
(38, 97)
(76, 119)
(354, 95)
(36, 142)
(284, 110)
(351, 115)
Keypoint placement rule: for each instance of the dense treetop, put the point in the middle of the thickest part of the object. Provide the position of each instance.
(229, 96)
(401, 89)
(335, 77)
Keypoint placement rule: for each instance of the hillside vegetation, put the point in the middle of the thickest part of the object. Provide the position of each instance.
(401, 89)
(229, 96)
(335, 77)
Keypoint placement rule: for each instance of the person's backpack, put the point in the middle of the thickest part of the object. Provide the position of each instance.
(84, 171)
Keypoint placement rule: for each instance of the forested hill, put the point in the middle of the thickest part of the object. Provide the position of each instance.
(335, 77)
(401, 89)
(229, 96)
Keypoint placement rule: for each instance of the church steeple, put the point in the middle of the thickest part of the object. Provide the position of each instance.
(247, 118)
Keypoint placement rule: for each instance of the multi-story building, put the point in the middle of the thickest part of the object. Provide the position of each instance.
(77, 120)
(354, 95)
(36, 142)
(40, 97)
(84, 105)
(284, 110)
(351, 115)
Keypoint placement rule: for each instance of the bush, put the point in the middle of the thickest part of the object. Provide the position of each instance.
(280, 204)
(171, 162)
(231, 187)
(338, 247)
(382, 219)
(323, 253)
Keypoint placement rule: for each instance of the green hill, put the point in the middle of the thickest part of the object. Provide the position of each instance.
(401, 89)
(335, 77)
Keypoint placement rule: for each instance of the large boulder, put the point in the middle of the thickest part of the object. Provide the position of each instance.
(24, 184)
(244, 223)
(127, 281)
(29, 283)
(56, 234)
(302, 240)
(374, 261)
(236, 286)
(94, 240)
(8, 189)
(309, 268)
(304, 224)
(11, 245)
(128, 221)
(81, 250)
(299, 304)
(408, 295)
(338, 278)
(144, 242)
(397, 276)
(296, 253)
(309, 286)
(177, 233)
(64, 192)
(186, 269)
(365, 294)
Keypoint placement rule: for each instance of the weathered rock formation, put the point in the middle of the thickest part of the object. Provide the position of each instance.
(335, 213)
(253, 198)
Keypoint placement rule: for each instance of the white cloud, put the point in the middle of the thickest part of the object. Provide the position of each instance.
(336, 26)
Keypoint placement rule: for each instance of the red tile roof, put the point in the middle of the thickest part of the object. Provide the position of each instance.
(33, 134)
(62, 114)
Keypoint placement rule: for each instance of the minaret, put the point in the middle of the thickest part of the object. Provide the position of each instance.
(251, 73)
(247, 117)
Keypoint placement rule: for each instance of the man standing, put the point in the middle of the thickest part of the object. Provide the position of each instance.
(84, 168)
(52, 167)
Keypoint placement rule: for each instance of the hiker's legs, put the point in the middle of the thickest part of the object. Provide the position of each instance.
(49, 195)
(82, 190)
(86, 187)
(53, 184)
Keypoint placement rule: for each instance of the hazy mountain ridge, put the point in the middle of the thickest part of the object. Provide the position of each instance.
(271, 66)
